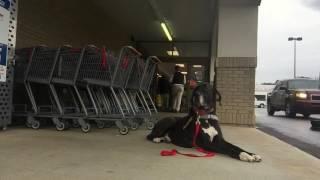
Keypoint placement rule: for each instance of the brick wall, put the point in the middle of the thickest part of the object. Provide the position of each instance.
(73, 22)
(236, 83)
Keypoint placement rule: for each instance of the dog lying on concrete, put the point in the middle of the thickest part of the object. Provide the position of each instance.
(180, 131)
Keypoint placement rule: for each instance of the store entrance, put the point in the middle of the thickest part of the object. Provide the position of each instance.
(194, 73)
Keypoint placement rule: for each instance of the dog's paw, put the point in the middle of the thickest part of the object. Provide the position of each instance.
(246, 157)
(257, 158)
(157, 140)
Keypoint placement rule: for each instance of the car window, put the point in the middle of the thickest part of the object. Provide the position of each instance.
(303, 84)
(260, 97)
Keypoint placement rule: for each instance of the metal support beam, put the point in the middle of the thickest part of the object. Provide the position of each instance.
(6, 88)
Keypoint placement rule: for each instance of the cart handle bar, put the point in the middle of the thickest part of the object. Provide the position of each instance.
(134, 50)
(155, 58)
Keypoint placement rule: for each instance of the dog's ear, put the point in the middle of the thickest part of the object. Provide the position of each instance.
(217, 95)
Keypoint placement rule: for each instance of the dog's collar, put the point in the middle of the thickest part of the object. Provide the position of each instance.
(207, 116)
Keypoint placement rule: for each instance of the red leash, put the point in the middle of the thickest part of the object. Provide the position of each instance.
(174, 152)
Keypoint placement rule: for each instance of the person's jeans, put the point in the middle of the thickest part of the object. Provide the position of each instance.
(165, 101)
(177, 92)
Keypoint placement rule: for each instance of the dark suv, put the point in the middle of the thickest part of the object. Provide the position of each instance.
(295, 96)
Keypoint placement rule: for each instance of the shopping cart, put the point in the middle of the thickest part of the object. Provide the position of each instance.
(36, 67)
(70, 98)
(104, 78)
(79, 85)
(149, 74)
(21, 103)
(138, 89)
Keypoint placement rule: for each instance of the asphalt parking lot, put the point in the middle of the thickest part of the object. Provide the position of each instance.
(295, 131)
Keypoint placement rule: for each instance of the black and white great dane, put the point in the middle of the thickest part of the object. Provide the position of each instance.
(180, 130)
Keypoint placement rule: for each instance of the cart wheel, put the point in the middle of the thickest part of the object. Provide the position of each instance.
(124, 131)
(86, 128)
(134, 126)
(149, 125)
(100, 124)
(61, 126)
(35, 125)
(29, 121)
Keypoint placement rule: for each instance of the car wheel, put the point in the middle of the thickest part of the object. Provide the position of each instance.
(306, 115)
(262, 105)
(289, 111)
(270, 109)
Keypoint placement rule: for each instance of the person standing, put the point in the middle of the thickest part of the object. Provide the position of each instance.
(178, 82)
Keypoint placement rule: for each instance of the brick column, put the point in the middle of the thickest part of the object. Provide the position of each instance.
(236, 83)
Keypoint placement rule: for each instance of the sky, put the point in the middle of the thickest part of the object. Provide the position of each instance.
(278, 20)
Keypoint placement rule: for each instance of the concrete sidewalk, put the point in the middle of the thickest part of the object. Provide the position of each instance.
(103, 154)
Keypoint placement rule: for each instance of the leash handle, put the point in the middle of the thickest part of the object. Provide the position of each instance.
(174, 152)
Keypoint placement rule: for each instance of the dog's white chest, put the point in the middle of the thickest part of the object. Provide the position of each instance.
(211, 131)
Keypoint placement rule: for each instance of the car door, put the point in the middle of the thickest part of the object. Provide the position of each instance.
(282, 94)
(274, 95)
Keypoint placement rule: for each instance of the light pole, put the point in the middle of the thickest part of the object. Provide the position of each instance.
(294, 39)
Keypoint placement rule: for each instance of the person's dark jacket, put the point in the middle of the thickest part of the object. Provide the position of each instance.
(178, 78)
(163, 85)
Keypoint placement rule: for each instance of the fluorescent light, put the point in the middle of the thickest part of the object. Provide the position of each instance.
(173, 53)
(181, 65)
(184, 73)
(166, 31)
(197, 66)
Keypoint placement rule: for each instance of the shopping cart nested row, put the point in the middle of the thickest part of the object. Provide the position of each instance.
(72, 86)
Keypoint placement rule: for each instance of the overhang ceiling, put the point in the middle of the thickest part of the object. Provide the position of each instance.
(187, 20)
(240, 2)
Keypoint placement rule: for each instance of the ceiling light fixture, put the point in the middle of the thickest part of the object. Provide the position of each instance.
(197, 66)
(173, 52)
(166, 31)
(181, 65)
